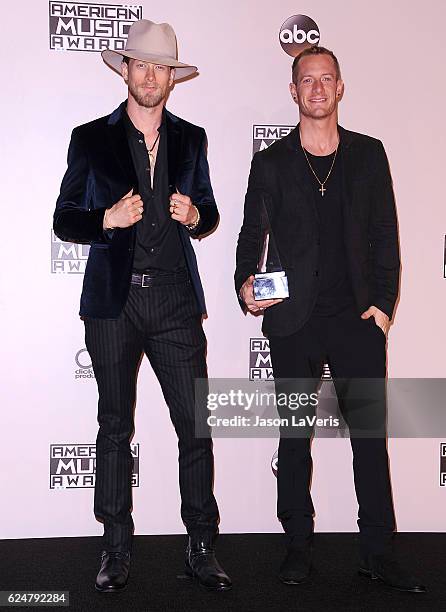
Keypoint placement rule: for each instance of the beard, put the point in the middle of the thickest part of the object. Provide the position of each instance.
(147, 99)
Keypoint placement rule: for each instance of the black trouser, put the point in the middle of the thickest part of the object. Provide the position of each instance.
(164, 323)
(355, 349)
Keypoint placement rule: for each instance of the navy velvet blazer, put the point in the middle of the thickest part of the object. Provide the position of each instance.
(100, 171)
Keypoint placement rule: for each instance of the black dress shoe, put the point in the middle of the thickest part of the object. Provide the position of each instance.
(387, 569)
(202, 564)
(114, 572)
(296, 566)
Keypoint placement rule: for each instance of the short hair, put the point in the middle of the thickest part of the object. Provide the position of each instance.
(314, 50)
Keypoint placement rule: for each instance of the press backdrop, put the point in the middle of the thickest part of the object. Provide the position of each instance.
(392, 57)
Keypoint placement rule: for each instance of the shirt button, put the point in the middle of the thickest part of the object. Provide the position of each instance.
(140, 141)
(152, 250)
(153, 224)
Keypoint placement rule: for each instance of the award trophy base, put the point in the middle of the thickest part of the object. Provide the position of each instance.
(270, 285)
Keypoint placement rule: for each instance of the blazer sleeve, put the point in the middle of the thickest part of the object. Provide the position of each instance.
(202, 195)
(75, 219)
(249, 245)
(383, 236)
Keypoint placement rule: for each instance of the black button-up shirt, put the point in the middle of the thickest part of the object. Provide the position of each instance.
(158, 244)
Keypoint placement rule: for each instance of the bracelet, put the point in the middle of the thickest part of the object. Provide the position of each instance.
(193, 225)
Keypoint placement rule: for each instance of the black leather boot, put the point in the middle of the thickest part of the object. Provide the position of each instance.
(202, 564)
(296, 566)
(114, 572)
(387, 569)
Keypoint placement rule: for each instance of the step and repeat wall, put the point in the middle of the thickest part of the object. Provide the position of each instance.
(392, 59)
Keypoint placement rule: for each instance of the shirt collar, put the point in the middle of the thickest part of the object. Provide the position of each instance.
(131, 129)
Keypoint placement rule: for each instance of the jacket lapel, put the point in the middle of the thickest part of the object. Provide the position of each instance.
(296, 165)
(118, 145)
(346, 174)
(119, 148)
(174, 151)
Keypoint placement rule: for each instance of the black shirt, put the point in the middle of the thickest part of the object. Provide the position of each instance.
(335, 292)
(158, 244)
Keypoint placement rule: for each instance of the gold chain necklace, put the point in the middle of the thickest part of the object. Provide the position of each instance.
(321, 183)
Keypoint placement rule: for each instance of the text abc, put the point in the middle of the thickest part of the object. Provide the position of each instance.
(299, 36)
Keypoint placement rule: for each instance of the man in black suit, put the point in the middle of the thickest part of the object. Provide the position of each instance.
(137, 188)
(331, 211)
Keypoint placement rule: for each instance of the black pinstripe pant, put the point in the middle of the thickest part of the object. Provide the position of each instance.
(164, 323)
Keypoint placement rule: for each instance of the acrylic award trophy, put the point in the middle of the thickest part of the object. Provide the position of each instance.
(270, 282)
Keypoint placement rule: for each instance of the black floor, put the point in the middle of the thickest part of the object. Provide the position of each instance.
(252, 561)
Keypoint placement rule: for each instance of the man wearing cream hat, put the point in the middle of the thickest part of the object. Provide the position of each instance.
(137, 189)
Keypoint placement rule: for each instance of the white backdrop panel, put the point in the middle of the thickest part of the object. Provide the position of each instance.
(392, 63)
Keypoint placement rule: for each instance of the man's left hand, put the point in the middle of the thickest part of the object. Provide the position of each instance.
(381, 319)
(182, 209)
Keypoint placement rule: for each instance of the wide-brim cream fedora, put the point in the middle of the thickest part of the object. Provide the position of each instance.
(151, 42)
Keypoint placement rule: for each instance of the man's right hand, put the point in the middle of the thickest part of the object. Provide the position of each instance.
(247, 295)
(124, 213)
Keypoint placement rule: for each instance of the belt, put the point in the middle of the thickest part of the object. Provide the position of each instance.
(155, 278)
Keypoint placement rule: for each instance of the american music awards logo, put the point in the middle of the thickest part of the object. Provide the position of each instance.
(443, 464)
(67, 257)
(263, 136)
(76, 26)
(73, 466)
(326, 374)
(444, 259)
(260, 366)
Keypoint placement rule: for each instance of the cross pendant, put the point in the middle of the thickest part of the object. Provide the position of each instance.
(322, 189)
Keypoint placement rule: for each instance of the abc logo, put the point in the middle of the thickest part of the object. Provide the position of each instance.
(297, 33)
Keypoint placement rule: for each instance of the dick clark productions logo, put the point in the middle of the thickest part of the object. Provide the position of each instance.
(297, 33)
(275, 463)
(84, 368)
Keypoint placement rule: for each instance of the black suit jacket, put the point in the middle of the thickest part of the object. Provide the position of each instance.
(370, 227)
(100, 171)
